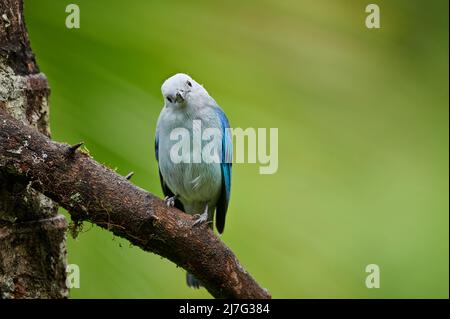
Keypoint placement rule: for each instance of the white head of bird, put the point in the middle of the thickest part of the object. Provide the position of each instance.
(180, 89)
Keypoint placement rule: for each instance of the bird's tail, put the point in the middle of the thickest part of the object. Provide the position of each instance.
(193, 282)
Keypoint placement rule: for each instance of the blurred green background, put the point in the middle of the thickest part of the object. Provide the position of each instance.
(363, 134)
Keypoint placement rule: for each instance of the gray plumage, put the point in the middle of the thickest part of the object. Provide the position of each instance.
(196, 188)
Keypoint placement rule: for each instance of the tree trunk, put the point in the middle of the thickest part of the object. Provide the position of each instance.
(32, 234)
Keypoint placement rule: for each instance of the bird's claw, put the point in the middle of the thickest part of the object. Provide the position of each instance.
(170, 201)
(201, 219)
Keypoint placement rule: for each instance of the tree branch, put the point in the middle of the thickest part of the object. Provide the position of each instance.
(92, 192)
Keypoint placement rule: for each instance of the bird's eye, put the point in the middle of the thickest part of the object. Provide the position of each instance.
(169, 99)
(189, 83)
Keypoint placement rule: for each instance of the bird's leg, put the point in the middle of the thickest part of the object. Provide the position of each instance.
(170, 201)
(203, 218)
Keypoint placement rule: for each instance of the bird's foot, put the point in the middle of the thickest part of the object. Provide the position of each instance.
(202, 218)
(170, 201)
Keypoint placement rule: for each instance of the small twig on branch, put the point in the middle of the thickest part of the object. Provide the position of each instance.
(129, 175)
(92, 192)
(73, 148)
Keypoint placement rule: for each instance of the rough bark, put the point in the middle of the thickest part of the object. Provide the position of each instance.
(32, 234)
(92, 192)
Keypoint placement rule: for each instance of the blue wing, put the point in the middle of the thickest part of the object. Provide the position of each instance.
(226, 159)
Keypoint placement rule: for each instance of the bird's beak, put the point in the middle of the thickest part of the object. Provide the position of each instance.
(179, 97)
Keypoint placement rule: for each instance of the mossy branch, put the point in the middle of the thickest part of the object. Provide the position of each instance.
(92, 192)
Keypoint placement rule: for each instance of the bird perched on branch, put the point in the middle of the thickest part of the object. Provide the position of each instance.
(199, 180)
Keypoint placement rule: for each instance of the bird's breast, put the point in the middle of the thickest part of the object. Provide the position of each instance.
(194, 180)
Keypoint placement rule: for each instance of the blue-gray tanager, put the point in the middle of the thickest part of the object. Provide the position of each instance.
(198, 187)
